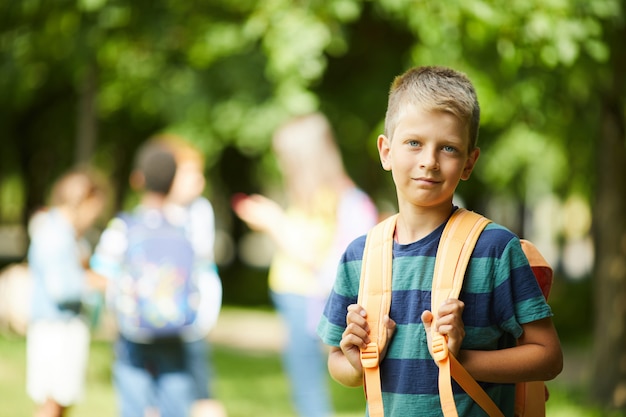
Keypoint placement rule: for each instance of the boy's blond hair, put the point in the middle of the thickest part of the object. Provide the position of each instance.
(434, 88)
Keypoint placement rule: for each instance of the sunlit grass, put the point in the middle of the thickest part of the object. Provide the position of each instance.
(248, 383)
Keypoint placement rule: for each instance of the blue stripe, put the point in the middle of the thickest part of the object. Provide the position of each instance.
(407, 306)
(422, 374)
(337, 307)
(354, 251)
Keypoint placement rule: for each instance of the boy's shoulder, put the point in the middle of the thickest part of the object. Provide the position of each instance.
(115, 237)
(495, 240)
(354, 251)
(140, 216)
(201, 206)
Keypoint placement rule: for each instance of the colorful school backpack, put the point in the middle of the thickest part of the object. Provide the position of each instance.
(157, 296)
(455, 248)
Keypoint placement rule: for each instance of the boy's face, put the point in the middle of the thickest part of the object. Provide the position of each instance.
(88, 212)
(427, 156)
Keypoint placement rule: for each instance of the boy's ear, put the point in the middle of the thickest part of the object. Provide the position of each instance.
(470, 163)
(384, 150)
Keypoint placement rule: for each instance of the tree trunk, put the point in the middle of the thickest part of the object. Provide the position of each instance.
(609, 217)
(86, 122)
(609, 358)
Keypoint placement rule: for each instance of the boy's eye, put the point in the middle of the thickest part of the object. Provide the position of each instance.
(449, 148)
(413, 143)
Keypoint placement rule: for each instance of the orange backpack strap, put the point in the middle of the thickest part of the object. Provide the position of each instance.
(457, 243)
(375, 298)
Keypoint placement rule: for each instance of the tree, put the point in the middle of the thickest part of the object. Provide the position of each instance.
(610, 230)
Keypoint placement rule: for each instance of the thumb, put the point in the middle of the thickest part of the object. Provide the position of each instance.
(390, 325)
(427, 319)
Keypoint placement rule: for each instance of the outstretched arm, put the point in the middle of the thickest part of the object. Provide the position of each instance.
(265, 215)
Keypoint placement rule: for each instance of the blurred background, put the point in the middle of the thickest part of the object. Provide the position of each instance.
(89, 80)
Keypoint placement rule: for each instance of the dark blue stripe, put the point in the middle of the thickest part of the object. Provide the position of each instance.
(492, 242)
(479, 310)
(354, 251)
(524, 284)
(407, 306)
(337, 315)
(422, 374)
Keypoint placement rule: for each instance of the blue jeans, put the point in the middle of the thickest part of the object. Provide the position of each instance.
(199, 367)
(152, 376)
(303, 358)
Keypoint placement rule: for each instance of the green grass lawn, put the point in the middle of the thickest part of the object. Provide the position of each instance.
(249, 384)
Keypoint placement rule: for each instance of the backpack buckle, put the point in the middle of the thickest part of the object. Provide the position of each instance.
(370, 355)
(440, 347)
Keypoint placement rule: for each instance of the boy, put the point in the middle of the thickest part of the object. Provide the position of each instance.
(429, 145)
(187, 208)
(153, 375)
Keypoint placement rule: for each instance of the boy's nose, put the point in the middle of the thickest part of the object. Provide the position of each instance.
(429, 160)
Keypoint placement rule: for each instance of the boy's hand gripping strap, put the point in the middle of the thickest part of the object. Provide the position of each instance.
(375, 298)
(453, 254)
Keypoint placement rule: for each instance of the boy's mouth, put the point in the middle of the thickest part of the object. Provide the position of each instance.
(426, 180)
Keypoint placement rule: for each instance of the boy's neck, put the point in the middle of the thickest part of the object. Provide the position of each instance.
(417, 223)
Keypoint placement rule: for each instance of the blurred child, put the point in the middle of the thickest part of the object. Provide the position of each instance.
(188, 208)
(325, 211)
(149, 262)
(58, 334)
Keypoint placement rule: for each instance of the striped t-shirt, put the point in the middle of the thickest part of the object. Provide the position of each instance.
(500, 294)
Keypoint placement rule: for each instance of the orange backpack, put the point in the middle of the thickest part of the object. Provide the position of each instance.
(455, 248)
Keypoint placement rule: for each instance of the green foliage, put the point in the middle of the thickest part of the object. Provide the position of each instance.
(525, 58)
(226, 73)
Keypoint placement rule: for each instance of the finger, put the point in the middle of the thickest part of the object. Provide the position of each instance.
(448, 321)
(451, 306)
(354, 336)
(390, 324)
(357, 315)
(450, 330)
(355, 308)
(427, 319)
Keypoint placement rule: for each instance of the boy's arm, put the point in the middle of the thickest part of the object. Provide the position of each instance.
(537, 357)
(342, 370)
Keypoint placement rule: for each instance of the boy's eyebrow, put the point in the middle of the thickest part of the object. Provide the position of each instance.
(411, 134)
